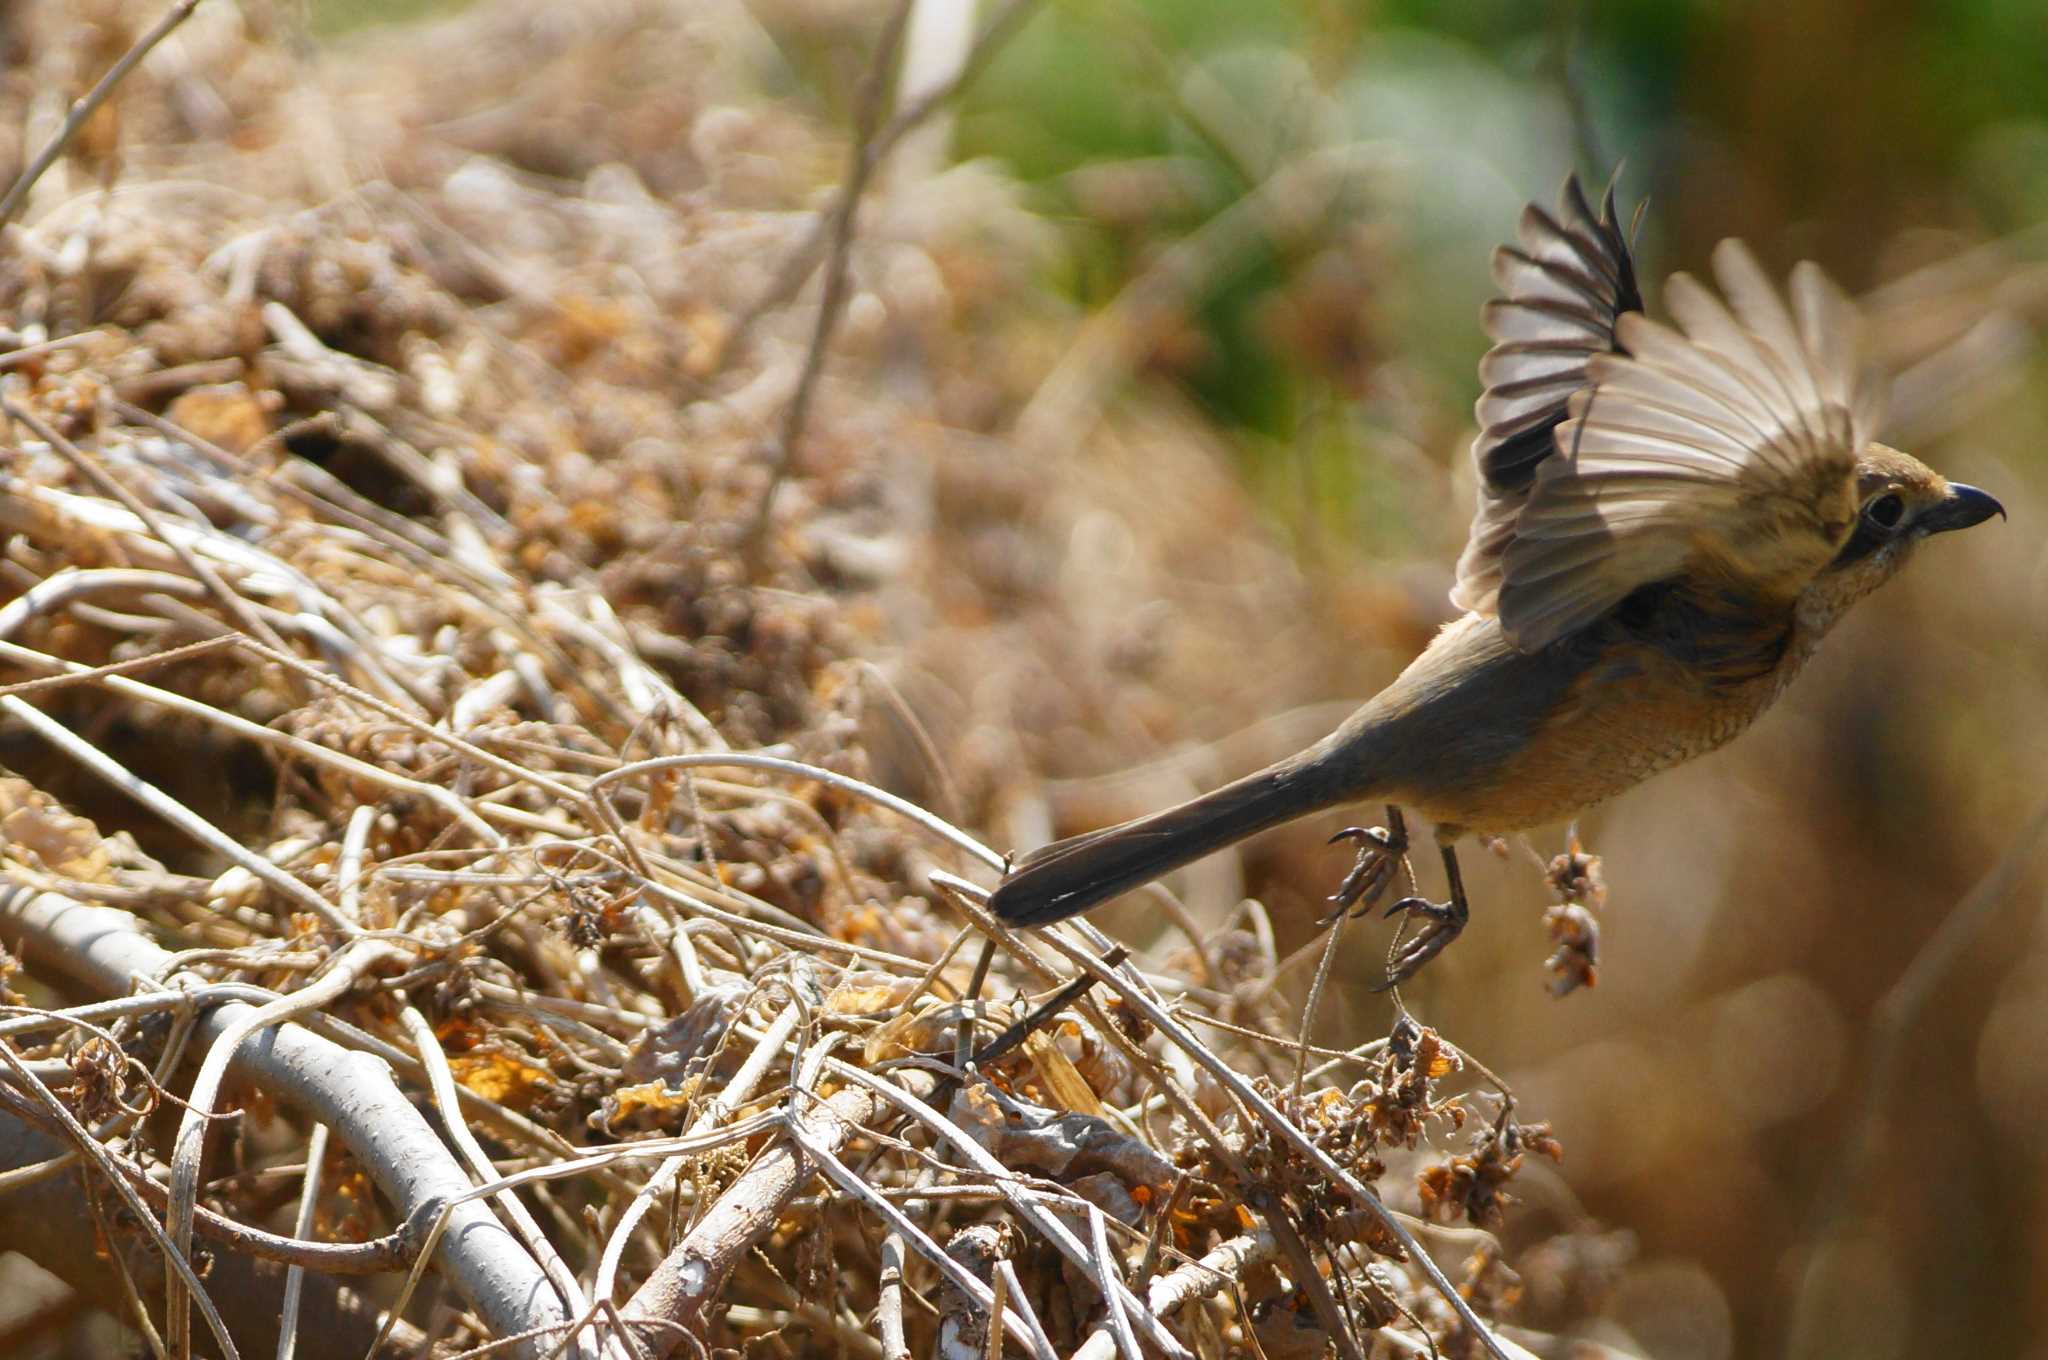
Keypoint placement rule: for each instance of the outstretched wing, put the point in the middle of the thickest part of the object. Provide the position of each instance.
(1730, 448)
(1561, 293)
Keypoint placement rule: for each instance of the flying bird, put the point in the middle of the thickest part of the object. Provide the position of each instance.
(1671, 517)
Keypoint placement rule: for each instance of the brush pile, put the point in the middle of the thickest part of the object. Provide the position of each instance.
(442, 842)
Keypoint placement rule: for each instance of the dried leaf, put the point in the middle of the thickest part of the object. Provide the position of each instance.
(868, 993)
(650, 1098)
(36, 830)
(499, 1076)
(1062, 1081)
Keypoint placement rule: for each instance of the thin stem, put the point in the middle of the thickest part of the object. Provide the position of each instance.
(86, 107)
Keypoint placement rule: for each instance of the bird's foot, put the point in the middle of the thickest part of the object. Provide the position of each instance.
(1442, 923)
(1380, 852)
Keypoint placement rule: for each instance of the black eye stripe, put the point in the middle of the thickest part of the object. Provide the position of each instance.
(1885, 511)
(1875, 527)
(1867, 539)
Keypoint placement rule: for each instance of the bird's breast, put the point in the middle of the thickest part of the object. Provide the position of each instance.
(1585, 719)
(1634, 716)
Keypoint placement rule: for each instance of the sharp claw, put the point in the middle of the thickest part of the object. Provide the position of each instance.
(1420, 950)
(1377, 836)
(1415, 906)
(1350, 885)
(1445, 922)
(1366, 881)
(1379, 859)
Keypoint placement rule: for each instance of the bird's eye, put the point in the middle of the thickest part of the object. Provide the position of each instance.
(1886, 511)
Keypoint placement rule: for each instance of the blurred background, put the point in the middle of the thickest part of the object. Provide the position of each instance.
(1815, 1159)
(1801, 1176)
(1240, 324)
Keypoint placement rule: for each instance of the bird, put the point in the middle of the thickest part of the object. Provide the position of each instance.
(1671, 517)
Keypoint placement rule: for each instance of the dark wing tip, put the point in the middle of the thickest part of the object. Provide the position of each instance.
(1571, 280)
(1572, 203)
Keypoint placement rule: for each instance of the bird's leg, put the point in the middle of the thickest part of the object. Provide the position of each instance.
(1380, 849)
(1442, 923)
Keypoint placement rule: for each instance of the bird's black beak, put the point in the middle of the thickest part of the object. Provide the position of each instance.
(1963, 506)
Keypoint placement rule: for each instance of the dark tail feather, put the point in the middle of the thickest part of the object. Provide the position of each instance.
(1068, 877)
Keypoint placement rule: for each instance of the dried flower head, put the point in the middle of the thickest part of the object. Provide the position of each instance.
(1472, 1185)
(1400, 1096)
(1581, 888)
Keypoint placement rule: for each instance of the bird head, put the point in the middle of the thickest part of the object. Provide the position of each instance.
(1900, 502)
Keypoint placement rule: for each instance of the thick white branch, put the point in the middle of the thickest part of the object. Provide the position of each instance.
(353, 1093)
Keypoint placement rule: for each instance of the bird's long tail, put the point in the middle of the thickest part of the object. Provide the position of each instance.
(1068, 877)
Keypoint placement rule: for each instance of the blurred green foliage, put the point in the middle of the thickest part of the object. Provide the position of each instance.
(1825, 128)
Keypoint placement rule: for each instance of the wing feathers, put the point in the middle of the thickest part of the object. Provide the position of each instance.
(1734, 441)
(1562, 289)
(1655, 388)
(1561, 292)
(1768, 324)
(1830, 327)
(1716, 335)
(1615, 452)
